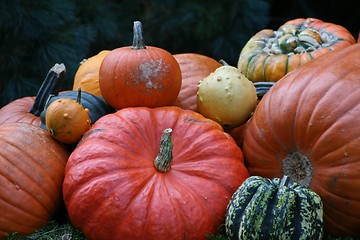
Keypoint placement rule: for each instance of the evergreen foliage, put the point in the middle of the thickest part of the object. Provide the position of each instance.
(38, 34)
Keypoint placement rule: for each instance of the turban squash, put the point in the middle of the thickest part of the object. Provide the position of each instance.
(115, 189)
(307, 126)
(269, 54)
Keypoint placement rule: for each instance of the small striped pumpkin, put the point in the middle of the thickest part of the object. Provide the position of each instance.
(264, 208)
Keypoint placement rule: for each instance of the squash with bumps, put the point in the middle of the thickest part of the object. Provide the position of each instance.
(67, 120)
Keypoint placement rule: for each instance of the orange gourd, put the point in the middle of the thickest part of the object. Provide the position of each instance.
(67, 120)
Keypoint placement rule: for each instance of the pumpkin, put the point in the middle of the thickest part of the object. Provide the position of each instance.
(194, 67)
(269, 54)
(67, 120)
(31, 175)
(152, 173)
(307, 127)
(28, 109)
(97, 106)
(275, 208)
(226, 96)
(139, 75)
(87, 75)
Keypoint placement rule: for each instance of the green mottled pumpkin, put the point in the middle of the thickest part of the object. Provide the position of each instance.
(263, 208)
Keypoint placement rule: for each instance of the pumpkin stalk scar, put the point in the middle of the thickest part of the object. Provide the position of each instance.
(298, 168)
(164, 158)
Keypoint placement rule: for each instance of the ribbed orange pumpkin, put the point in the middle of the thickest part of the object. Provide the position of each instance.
(139, 75)
(127, 179)
(307, 126)
(194, 67)
(31, 175)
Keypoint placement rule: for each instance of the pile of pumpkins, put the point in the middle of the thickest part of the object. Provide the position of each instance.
(150, 145)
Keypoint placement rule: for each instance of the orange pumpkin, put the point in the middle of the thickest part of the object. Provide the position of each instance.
(31, 175)
(194, 67)
(139, 75)
(130, 179)
(269, 55)
(87, 75)
(307, 126)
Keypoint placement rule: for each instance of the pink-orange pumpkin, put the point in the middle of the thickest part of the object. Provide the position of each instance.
(115, 189)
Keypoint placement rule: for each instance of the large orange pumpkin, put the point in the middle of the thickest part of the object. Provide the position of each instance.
(194, 67)
(307, 126)
(32, 167)
(269, 54)
(128, 180)
(139, 75)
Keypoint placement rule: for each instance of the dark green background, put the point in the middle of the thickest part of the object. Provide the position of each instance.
(39, 33)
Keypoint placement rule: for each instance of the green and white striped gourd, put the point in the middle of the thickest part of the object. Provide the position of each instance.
(263, 208)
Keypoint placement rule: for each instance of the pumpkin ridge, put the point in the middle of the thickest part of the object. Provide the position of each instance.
(38, 167)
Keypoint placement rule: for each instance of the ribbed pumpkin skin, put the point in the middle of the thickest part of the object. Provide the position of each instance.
(18, 111)
(260, 63)
(113, 191)
(30, 180)
(194, 67)
(263, 209)
(314, 111)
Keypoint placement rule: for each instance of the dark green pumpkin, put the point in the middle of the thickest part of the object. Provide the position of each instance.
(276, 208)
(97, 106)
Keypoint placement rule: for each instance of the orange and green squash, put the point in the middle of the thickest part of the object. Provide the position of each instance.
(269, 55)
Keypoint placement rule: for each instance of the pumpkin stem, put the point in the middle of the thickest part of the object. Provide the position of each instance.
(78, 98)
(284, 181)
(51, 85)
(298, 168)
(223, 62)
(138, 40)
(164, 158)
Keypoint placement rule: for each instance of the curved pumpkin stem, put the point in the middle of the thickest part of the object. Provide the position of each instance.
(138, 39)
(50, 86)
(164, 158)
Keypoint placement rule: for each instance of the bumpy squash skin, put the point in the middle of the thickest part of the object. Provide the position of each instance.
(97, 106)
(194, 67)
(67, 120)
(264, 209)
(266, 57)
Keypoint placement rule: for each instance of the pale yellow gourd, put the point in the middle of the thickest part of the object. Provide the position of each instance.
(226, 96)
